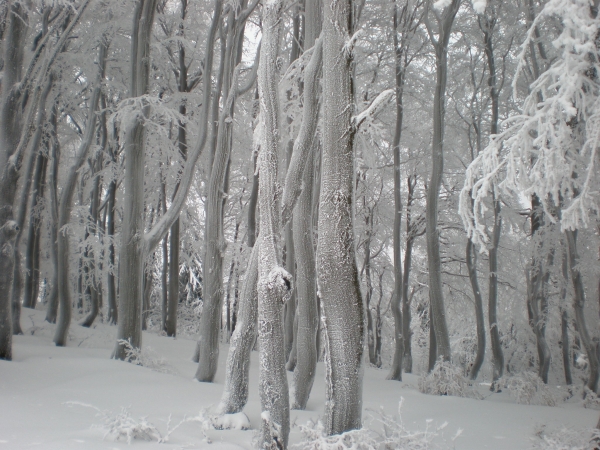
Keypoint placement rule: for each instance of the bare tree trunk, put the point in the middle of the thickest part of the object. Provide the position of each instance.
(10, 126)
(432, 340)
(341, 299)
(564, 320)
(131, 261)
(33, 232)
(113, 310)
(578, 306)
(471, 258)
(274, 283)
(436, 294)
(23, 202)
(65, 206)
(235, 392)
(52, 310)
(497, 354)
(307, 314)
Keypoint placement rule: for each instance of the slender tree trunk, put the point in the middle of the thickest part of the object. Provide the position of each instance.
(432, 340)
(65, 206)
(111, 289)
(471, 258)
(564, 320)
(436, 294)
(578, 306)
(411, 233)
(31, 274)
(341, 299)
(497, 353)
(52, 310)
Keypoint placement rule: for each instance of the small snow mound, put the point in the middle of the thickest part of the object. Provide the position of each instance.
(237, 421)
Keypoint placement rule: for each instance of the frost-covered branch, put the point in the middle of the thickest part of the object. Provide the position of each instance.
(550, 149)
(374, 108)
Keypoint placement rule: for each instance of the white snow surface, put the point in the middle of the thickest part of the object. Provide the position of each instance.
(77, 398)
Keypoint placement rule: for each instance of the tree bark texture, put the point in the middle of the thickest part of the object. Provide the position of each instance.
(235, 391)
(339, 288)
(497, 353)
(436, 294)
(133, 251)
(274, 283)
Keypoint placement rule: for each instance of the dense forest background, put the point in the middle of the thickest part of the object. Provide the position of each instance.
(407, 184)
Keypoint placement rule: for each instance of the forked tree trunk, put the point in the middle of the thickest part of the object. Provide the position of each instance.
(436, 294)
(274, 283)
(341, 299)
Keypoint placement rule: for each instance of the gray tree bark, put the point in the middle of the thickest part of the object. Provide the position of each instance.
(66, 203)
(578, 306)
(274, 283)
(471, 258)
(341, 299)
(445, 20)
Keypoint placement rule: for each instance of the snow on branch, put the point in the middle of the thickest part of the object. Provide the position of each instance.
(374, 108)
(550, 149)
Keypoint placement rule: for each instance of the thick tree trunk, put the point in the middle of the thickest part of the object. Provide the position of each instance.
(274, 283)
(10, 127)
(436, 294)
(578, 306)
(471, 258)
(341, 299)
(235, 392)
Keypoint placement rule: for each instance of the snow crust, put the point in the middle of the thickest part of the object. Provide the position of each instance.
(36, 387)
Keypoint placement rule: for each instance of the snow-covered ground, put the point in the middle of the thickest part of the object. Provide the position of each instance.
(66, 398)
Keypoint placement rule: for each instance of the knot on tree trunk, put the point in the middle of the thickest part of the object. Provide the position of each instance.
(9, 231)
(281, 283)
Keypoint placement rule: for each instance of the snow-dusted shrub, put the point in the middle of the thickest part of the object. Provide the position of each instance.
(446, 379)
(394, 436)
(528, 388)
(237, 421)
(122, 425)
(316, 439)
(566, 439)
(146, 357)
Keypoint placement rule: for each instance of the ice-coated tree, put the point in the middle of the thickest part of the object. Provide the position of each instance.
(549, 150)
(339, 288)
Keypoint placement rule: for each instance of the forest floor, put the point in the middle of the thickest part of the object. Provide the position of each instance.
(78, 398)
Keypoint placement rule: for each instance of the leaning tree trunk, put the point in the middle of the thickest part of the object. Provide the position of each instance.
(436, 294)
(65, 206)
(339, 288)
(274, 283)
(22, 203)
(578, 306)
